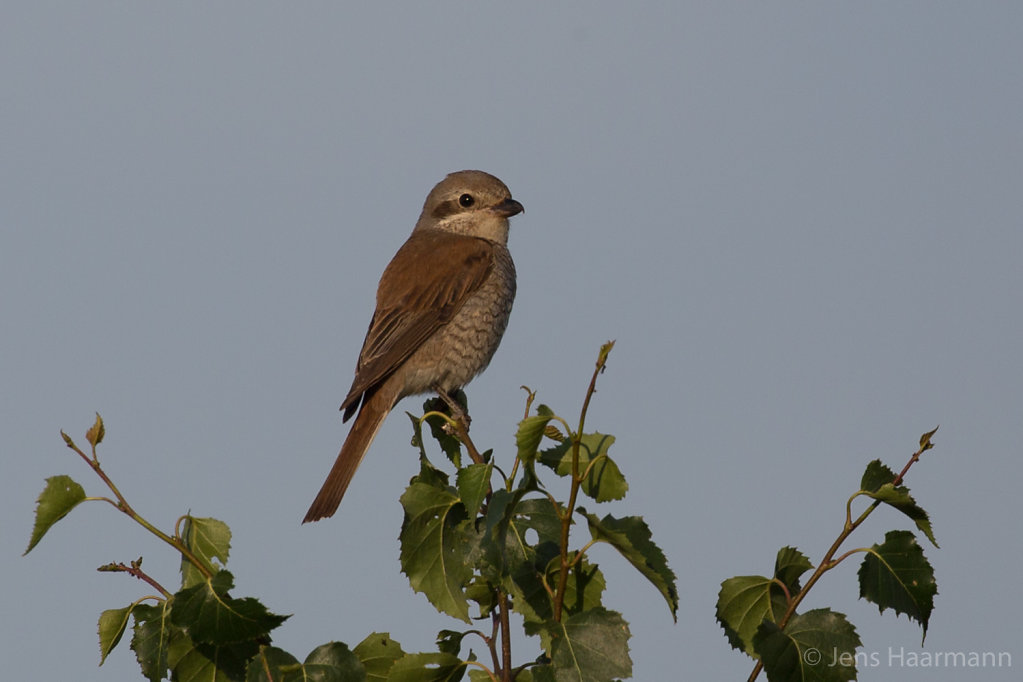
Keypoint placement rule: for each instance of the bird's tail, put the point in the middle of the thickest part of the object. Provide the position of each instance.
(371, 415)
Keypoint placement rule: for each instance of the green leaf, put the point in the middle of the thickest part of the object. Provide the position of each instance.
(438, 667)
(112, 624)
(428, 474)
(604, 481)
(59, 497)
(378, 652)
(433, 548)
(473, 482)
(592, 646)
(900, 499)
(631, 537)
(529, 435)
(523, 560)
(789, 566)
(819, 645)
(450, 641)
(584, 588)
(877, 484)
(197, 662)
(896, 575)
(744, 602)
(207, 539)
(151, 638)
(331, 662)
(96, 432)
(537, 514)
(524, 583)
(272, 665)
(211, 616)
(336, 658)
(449, 444)
(876, 475)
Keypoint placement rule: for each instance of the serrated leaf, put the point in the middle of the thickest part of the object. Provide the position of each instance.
(96, 432)
(584, 588)
(524, 583)
(433, 548)
(207, 539)
(428, 474)
(899, 498)
(539, 515)
(744, 602)
(481, 593)
(631, 537)
(438, 667)
(112, 624)
(449, 444)
(592, 646)
(605, 481)
(472, 483)
(337, 657)
(876, 475)
(59, 497)
(378, 652)
(896, 575)
(195, 662)
(450, 641)
(272, 665)
(211, 616)
(523, 559)
(819, 646)
(332, 662)
(151, 638)
(529, 435)
(877, 484)
(789, 565)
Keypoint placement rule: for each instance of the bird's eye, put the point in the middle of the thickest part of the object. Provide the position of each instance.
(466, 200)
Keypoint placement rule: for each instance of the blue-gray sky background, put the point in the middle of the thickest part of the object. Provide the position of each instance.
(800, 221)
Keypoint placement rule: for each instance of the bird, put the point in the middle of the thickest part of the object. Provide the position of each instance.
(442, 306)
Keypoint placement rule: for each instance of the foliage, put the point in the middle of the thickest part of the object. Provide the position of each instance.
(759, 614)
(480, 547)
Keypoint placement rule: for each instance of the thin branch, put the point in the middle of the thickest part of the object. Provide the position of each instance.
(827, 562)
(506, 662)
(566, 519)
(135, 570)
(123, 506)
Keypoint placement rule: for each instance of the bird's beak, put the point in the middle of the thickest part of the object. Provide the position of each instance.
(508, 208)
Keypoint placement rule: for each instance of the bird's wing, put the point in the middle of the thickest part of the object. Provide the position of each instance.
(417, 295)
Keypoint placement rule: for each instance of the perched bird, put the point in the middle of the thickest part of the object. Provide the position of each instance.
(442, 306)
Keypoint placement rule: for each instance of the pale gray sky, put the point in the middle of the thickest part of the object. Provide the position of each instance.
(800, 221)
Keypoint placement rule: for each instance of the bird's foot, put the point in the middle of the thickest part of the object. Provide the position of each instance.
(456, 407)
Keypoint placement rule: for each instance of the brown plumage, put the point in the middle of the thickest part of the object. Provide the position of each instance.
(443, 304)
